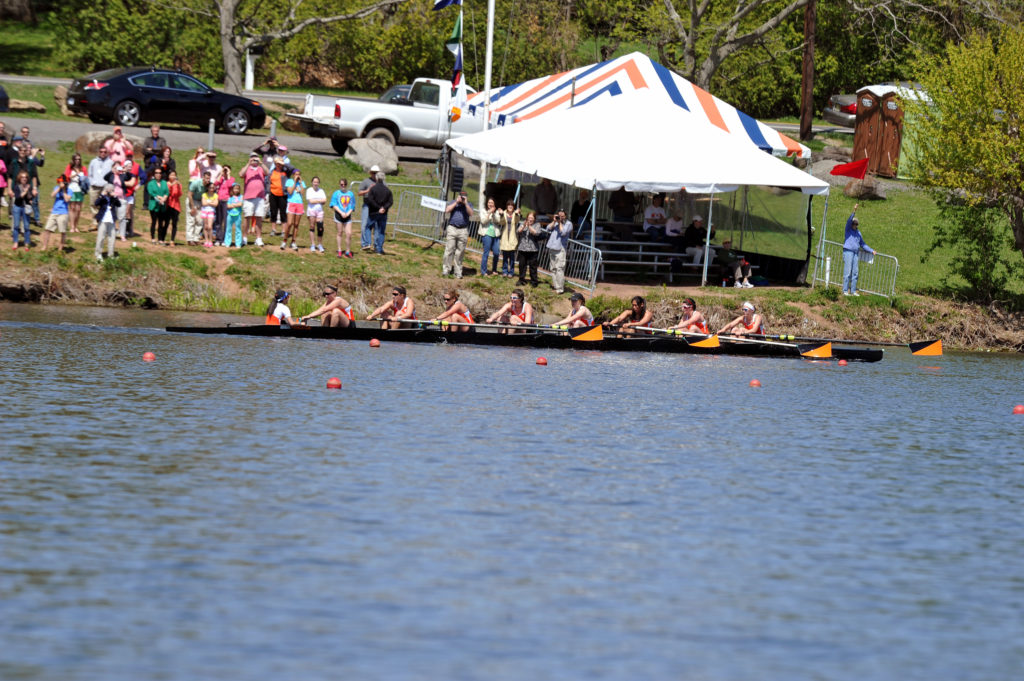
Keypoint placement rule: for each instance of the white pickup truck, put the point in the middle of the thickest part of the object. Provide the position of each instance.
(420, 120)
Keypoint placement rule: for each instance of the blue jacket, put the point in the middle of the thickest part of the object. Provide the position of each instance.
(853, 240)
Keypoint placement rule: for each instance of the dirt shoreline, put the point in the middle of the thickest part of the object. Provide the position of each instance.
(961, 326)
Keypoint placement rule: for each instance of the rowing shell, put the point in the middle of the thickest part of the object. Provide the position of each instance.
(539, 339)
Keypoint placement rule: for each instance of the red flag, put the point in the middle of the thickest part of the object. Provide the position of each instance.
(857, 169)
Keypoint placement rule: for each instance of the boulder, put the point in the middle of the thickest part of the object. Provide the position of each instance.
(289, 124)
(87, 144)
(26, 105)
(867, 188)
(375, 152)
(60, 96)
(475, 304)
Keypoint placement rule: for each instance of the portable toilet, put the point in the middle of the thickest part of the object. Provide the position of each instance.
(878, 131)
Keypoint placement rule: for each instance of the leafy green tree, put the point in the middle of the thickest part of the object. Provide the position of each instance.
(968, 146)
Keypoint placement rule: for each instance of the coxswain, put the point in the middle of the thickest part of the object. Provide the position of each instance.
(278, 313)
(514, 313)
(580, 315)
(692, 320)
(455, 311)
(335, 312)
(636, 315)
(747, 324)
(397, 313)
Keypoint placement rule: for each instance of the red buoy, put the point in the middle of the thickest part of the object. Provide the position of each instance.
(542, 361)
(148, 357)
(374, 343)
(1019, 409)
(754, 383)
(842, 362)
(334, 383)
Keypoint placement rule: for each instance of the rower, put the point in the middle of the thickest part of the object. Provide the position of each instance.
(335, 312)
(395, 315)
(692, 320)
(514, 313)
(580, 315)
(636, 315)
(278, 313)
(456, 311)
(747, 324)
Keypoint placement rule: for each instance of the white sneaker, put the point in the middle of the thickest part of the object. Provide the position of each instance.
(747, 284)
(259, 241)
(320, 248)
(245, 241)
(737, 285)
(312, 249)
(855, 294)
(845, 293)
(283, 245)
(295, 246)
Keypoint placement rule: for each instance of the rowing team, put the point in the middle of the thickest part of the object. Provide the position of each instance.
(638, 317)
(401, 311)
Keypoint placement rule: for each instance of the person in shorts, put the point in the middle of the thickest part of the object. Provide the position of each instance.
(316, 199)
(57, 223)
(254, 205)
(343, 204)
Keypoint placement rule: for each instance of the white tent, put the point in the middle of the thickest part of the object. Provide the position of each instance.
(641, 141)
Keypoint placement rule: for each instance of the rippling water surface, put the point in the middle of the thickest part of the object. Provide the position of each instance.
(461, 513)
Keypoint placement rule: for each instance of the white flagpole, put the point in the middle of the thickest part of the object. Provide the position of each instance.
(487, 93)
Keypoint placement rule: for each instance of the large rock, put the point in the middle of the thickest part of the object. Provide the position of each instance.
(60, 96)
(373, 152)
(26, 105)
(474, 302)
(290, 124)
(87, 144)
(867, 188)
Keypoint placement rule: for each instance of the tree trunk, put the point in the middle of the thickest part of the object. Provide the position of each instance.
(807, 75)
(230, 49)
(18, 10)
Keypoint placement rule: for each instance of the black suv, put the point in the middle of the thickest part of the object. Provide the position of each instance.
(143, 93)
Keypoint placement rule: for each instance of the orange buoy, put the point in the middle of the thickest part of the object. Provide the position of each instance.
(1019, 409)
(148, 357)
(754, 383)
(334, 383)
(542, 361)
(374, 343)
(842, 362)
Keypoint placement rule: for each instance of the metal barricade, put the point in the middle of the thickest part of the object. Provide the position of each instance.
(878, 277)
(415, 219)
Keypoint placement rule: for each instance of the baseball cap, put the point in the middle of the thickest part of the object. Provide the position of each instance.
(117, 128)
(374, 168)
(253, 154)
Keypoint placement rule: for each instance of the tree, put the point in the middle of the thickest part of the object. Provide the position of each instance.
(967, 144)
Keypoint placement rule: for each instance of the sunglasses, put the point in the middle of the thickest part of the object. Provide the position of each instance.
(395, 293)
(447, 300)
(327, 293)
(513, 297)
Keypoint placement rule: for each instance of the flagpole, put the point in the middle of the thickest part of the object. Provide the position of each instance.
(487, 93)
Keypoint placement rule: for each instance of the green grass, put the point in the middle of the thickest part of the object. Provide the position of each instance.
(31, 50)
(42, 94)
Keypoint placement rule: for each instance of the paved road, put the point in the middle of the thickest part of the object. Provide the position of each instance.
(46, 134)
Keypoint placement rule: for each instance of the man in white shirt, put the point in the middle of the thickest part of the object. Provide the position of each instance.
(655, 219)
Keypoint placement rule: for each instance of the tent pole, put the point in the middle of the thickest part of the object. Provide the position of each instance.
(488, 59)
(821, 243)
(592, 212)
(707, 237)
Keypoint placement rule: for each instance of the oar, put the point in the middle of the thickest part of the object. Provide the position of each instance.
(703, 340)
(843, 341)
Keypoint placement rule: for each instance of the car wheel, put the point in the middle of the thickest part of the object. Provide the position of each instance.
(102, 120)
(127, 113)
(236, 121)
(340, 144)
(381, 134)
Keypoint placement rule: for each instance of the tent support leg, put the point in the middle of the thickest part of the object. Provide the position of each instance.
(707, 238)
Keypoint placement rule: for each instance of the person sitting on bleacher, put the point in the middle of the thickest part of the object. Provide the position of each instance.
(655, 219)
(736, 263)
(622, 204)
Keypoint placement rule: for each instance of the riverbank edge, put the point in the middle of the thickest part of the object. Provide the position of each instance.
(799, 311)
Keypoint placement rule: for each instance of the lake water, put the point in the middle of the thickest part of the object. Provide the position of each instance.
(462, 513)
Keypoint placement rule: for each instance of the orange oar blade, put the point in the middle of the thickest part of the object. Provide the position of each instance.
(710, 342)
(933, 348)
(818, 351)
(587, 333)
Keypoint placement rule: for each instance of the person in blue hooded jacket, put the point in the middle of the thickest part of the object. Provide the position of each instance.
(853, 244)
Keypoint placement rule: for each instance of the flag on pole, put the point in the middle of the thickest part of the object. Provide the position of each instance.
(458, 88)
(454, 42)
(441, 4)
(856, 169)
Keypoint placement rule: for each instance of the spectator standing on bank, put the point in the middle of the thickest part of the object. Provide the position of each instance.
(193, 202)
(254, 192)
(491, 226)
(224, 185)
(157, 191)
(380, 200)
(117, 146)
(78, 184)
(23, 162)
(277, 201)
(295, 188)
(456, 235)
(343, 204)
(107, 207)
(853, 244)
(99, 168)
(57, 223)
(174, 193)
(21, 205)
(316, 199)
(558, 243)
(364, 189)
(530, 236)
(153, 147)
(509, 240)
(234, 217)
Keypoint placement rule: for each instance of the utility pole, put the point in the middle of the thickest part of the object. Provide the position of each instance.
(807, 73)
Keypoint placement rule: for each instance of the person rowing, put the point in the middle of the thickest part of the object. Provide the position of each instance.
(514, 313)
(580, 315)
(747, 324)
(456, 311)
(278, 313)
(335, 312)
(398, 312)
(692, 320)
(636, 315)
